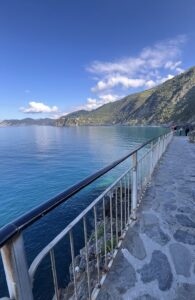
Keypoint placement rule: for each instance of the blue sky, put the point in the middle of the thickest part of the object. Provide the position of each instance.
(65, 55)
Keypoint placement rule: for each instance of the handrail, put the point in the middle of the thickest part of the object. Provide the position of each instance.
(46, 249)
(9, 230)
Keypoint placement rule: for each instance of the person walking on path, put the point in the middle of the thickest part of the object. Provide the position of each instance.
(187, 130)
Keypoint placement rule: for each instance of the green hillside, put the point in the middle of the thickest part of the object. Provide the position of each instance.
(172, 101)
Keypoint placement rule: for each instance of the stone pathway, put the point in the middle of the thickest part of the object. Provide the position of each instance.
(157, 258)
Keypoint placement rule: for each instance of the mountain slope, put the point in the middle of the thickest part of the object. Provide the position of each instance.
(26, 122)
(172, 101)
(111, 113)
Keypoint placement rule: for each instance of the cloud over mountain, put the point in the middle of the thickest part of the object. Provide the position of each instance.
(152, 66)
(93, 103)
(38, 107)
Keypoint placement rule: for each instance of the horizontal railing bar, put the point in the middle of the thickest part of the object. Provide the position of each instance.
(38, 212)
(60, 236)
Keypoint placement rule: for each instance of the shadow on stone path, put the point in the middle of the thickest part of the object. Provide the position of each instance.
(157, 258)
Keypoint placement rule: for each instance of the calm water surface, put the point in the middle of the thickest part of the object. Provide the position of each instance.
(39, 162)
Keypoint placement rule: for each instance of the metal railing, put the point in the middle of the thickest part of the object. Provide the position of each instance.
(110, 216)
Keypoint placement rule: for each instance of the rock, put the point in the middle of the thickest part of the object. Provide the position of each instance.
(122, 276)
(168, 195)
(192, 136)
(183, 189)
(184, 209)
(104, 295)
(184, 237)
(185, 221)
(192, 215)
(156, 206)
(137, 227)
(145, 297)
(182, 259)
(185, 291)
(158, 269)
(170, 206)
(134, 244)
(170, 219)
(150, 226)
(149, 219)
(156, 234)
(82, 265)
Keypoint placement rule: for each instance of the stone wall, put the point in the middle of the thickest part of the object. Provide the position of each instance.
(192, 136)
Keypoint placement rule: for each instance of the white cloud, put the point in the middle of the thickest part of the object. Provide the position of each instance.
(38, 107)
(149, 68)
(129, 83)
(161, 54)
(124, 65)
(180, 70)
(172, 65)
(93, 103)
(109, 98)
(118, 80)
(150, 84)
(163, 79)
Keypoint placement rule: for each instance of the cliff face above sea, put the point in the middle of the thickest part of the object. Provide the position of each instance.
(171, 102)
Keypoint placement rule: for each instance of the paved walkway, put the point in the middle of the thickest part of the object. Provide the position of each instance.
(157, 258)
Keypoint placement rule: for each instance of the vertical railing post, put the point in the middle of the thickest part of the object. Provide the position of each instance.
(97, 250)
(121, 206)
(87, 257)
(155, 155)
(164, 141)
(151, 159)
(159, 152)
(134, 188)
(73, 264)
(158, 149)
(16, 269)
(54, 273)
(161, 146)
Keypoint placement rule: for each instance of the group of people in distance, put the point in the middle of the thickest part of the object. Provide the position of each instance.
(180, 129)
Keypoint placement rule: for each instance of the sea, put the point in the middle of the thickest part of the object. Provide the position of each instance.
(39, 162)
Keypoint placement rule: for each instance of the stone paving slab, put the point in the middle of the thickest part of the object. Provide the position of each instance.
(157, 258)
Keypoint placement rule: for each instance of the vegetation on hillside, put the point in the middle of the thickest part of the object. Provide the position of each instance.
(171, 102)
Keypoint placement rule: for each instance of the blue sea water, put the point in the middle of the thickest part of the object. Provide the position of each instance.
(38, 162)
